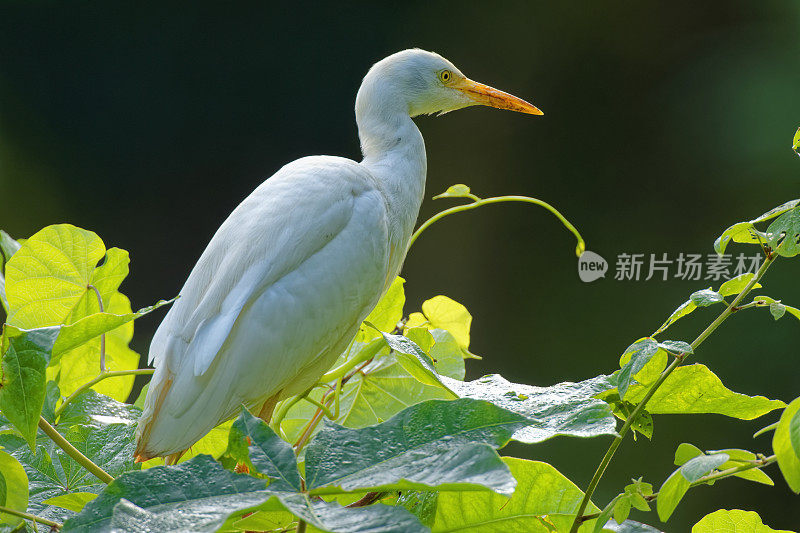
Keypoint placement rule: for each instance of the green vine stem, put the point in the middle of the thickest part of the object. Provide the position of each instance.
(33, 518)
(103, 375)
(478, 202)
(73, 452)
(722, 474)
(654, 387)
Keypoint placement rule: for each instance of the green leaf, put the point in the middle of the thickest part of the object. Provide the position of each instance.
(784, 233)
(636, 356)
(541, 491)
(622, 509)
(777, 310)
(266, 452)
(48, 276)
(8, 247)
(74, 501)
(447, 354)
(676, 485)
(676, 347)
(387, 314)
(92, 326)
(685, 308)
(737, 284)
(733, 521)
(200, 495)
(605, 515)
(79, 365)
(323, 516)
(685, 452)
(421, 504)
(794, 433)
(448, 444)
(796, 141)
(741, 232)
(25, 358)
(197, 495)
(781, 209)
(694, 389)
(444, 313)
(737, 456)
(706, 297)
(729, 288)
(562, 409)
(13, 489)
(782, 445)
(746, 232)
(459, 190)
(414, 360)
(100, 428)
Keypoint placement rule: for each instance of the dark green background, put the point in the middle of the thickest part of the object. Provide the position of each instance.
(665, 122)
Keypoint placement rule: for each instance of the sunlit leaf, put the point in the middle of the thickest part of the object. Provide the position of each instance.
(733, 521)
(387, 314)
(459, 190)
(25, 355)
(74, 501)
(562, 409)
(746, 232)
(782, 445)
(79, 365)
(694, 389)
(91, 326)
(444, 313)
(541, 491)
(13, 489)
(7, 248)
(49, 275)
(685, 452)
(674, 488)
(633, 360)
(418, 363)
(784, 233)
(737, 456)
(706, 297)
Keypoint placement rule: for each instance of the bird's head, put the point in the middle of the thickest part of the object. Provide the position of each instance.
(427, 83)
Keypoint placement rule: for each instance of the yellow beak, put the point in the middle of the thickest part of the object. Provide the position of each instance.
(489, 96)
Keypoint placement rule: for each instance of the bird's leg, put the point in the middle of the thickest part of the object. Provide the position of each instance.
(265, 413)
(172, 459)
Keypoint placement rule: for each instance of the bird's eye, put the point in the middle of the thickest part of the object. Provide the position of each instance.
(445, 76)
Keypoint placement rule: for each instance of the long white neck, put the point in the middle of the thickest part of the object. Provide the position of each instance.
(394, 152)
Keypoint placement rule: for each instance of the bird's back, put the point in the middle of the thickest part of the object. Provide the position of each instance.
(277, 294)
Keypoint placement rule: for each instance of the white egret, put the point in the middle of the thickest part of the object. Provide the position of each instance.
(288, 278)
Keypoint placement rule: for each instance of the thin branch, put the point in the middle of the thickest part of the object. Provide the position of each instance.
(73, 452)
(32, 518)
(715, 476)
(315, 420)
(654, 387)
(102, 335)
(103, 375)
(301, 526)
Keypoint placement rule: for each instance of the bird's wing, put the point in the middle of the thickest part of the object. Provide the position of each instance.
(286, 220)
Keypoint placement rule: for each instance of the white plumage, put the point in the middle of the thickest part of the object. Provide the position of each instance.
(290, 275)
